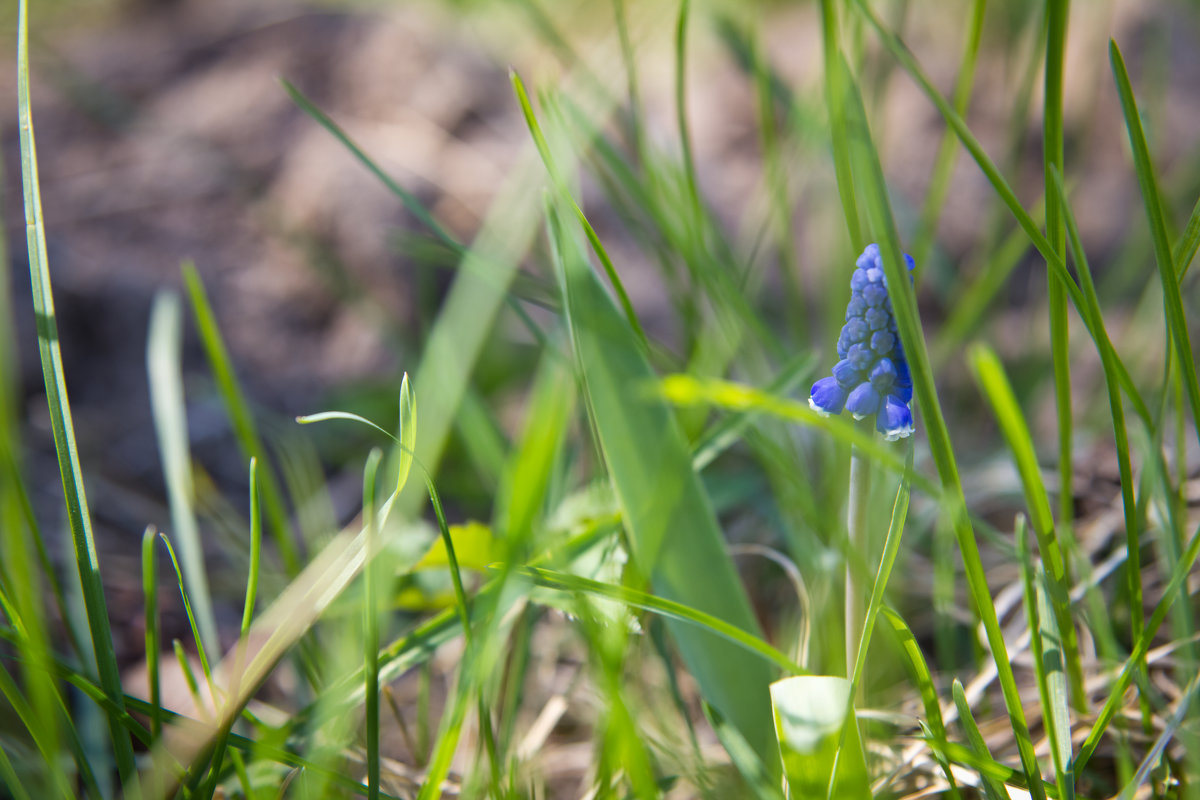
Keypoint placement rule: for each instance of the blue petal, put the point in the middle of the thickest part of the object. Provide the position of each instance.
(856, 307)
(827, 397)
(856, 330)
(883, 376)
(874, 294)
(860, 357)
(895, 419)
(863, 401)
(847, 375)
(859, 280)
(877, 319)
(883, 342)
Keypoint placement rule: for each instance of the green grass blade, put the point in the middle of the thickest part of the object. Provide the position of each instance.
(408, 432)
(865, 161)
(201, 650)
(1052, 148)
(163, 352)
(240, 417)
(992, 789)
(1172, 299)
(1189, 242)
(1121, 437)
(989, 373)
(835, 94)
(676, 541)
(1047, 665)
(255, 550)
(685, 137)
(371, 582)
(668, 609)
(86, 560)
(150, 599)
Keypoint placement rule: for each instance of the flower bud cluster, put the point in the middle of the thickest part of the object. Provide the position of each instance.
(872, 376)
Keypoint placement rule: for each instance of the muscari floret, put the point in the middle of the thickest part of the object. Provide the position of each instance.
(872, 376)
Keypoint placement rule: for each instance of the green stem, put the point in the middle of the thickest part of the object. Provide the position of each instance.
(856, 523)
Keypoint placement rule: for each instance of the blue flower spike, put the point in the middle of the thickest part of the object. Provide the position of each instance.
(871, 377)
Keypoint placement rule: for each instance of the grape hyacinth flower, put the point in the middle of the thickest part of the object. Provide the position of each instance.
(872, 376)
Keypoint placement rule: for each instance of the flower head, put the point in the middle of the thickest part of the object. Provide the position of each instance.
(872, 376)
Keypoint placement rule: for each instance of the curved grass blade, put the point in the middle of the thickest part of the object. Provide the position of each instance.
(669, 609)
(922, 677)
(1177, 322)
(675, 538)
(86, 560)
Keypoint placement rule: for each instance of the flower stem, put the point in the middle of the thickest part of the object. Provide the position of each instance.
(856, 523)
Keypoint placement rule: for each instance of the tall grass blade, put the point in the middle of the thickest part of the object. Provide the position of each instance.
(371, 580)
(989, 373)
(865, 162)
(675, 538)
(83, 541)
(1172, 300)
(153, 647)
(1052, 149)
(835, 99)
(163, 353)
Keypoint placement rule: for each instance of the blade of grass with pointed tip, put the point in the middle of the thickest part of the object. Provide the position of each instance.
(993, 789)
(674, 533)
(163, 352)
(1172, 300)
(1189, 242)
(240, 417)
(868, 171)
(150, 600)
(989, 373)
(86, 560)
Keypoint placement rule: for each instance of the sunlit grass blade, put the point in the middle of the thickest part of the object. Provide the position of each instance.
(989, 373)
(240, 418)
(559, 180)
(163, 352)
(1046, 647)
(868, 171)
(201, 650)
(83, 541)
(1172, 300)
(685, 389)
(992, 789)
(675, 539)
(1170, 731)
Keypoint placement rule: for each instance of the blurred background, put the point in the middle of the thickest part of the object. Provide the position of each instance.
(165, 134)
